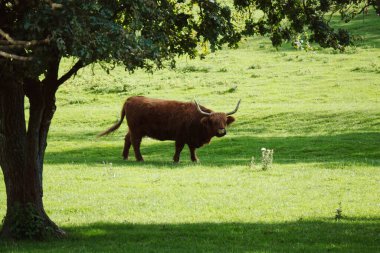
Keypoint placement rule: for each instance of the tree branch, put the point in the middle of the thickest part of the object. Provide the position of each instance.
(11, 46)
(80, 64)
(14, 56)
(10, 43)
(24, 43)
(332, 14)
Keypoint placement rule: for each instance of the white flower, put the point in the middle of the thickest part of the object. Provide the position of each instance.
(263, 149)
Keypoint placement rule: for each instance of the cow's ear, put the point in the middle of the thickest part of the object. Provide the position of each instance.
(230, 119)
(204, 121)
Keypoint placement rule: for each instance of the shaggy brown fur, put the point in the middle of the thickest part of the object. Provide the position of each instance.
(169, 120)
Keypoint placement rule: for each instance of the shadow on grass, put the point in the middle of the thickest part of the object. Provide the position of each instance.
(357, 235)
(351, 148)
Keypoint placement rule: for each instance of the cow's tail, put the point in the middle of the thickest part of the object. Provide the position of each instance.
(115, 126)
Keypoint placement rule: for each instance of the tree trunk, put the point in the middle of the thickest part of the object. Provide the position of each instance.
(22, 151)
(21, 160)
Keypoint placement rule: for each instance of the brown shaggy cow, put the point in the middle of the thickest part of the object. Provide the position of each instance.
(185, 123)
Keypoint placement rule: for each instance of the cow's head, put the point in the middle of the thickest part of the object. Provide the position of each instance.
(216, 122)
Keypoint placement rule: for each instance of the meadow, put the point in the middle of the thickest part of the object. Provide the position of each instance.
(319, 110)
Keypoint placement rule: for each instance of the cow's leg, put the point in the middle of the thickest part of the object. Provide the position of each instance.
(178, 148)
(127, 146)
(136, 141)
(193, 156)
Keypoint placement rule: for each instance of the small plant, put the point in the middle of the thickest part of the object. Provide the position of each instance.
(254, 66)
(252, 164)
(338, 213)
(191, 68)
(230, 90)
(373, 67)
(301, 42)
(266, 158)
(108, 170)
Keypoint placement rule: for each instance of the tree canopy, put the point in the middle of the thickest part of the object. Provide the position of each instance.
(145, 34)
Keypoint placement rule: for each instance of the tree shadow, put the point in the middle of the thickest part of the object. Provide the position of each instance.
(321, 235)
(349, 148)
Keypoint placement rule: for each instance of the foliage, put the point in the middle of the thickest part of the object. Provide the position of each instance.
(146, 34)
(283, 20)
(138, 34)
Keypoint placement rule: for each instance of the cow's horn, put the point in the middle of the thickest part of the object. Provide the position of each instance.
(200, 110)
(237, 107)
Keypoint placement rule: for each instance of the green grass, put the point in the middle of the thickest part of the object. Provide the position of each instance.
(319, 111)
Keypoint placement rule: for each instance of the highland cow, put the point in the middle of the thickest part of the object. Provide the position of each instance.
(183, 122)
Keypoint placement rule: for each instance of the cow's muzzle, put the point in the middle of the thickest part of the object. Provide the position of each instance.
(221, 132)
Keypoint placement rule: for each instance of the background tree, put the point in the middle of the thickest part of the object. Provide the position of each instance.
(148, 34)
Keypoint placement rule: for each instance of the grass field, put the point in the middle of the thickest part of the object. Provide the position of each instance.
(318, 110)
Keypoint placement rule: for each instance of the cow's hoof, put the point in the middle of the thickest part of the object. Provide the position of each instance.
(125, 158)
(195, 160)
